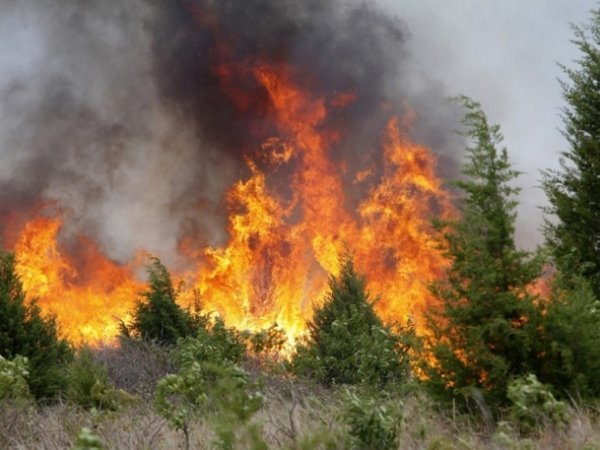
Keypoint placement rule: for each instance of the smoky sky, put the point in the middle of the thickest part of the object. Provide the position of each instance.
(328, 46)
(506, 55)
(113, 113)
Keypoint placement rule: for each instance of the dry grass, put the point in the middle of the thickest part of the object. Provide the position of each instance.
(135, 366)
(295, 416)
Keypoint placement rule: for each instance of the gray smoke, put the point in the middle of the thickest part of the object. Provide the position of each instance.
(112, 111)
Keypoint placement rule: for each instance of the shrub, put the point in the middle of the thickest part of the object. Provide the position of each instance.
(532, 403)
(347, 342)
(372, 424)
(236, 404)
(571, 324)
(157, 316)
(13, 378)
(23, 331)
(209, 381)
(86, 440)
(216, 343)
(267, 343)
(88, 384)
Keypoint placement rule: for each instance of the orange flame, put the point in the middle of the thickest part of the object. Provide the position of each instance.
(275, 266)
(282, 247)
(86, 298)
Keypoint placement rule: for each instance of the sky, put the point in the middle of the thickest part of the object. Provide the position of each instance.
(505, 55)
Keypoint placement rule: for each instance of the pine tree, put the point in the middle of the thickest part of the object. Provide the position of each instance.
(574, 191)
(23, 331)
(484, 329)
(157, 316)
(571, 339)
(347, 343)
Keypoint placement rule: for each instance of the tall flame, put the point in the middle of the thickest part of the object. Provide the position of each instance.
(275, 266)
(86, 297)
(283, 242)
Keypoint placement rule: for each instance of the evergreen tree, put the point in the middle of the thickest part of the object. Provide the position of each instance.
(157, 315)
(23, 331)
(484, 328)
(574, 191)
(347, 342)
(571, 352)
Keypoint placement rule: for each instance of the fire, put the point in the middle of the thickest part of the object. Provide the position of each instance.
(298, 210)
(275, 266)
(86, 296)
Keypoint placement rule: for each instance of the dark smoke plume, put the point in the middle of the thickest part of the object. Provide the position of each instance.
(115, 114)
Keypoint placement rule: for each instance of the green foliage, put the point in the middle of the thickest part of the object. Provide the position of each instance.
(573, 190)
(506, 437)
(157, 315)
(485, 329)
(347, 342)
(447, 443)
(88, 384)
(86, 440)
(179, 396)
(372, 424)
(209, 381)
(203, 388)
(267, 343)
(216, 343)
(23, 331)
(13, 378)
(235, 407)
(532, 404)
(571, 360)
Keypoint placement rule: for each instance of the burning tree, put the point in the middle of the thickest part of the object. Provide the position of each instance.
(485, 330)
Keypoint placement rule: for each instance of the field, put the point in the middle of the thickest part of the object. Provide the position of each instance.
(295, 415)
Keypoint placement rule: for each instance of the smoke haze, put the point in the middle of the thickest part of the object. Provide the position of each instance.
(113, 113)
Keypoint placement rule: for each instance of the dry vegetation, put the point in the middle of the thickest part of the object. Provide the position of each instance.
(294, 417)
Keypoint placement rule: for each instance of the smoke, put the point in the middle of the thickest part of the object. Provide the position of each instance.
(114, 112)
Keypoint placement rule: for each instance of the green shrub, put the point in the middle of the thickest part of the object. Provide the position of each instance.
(13, 378)
(88, 384)
(215, 343)
(507, 437)
(235, 405)
(571, 324)
(347, 343)
(372, 424)
(207, 388)
(157, 316)
(23, 331)
(267, 343)
(86, 440)
(210, 382)
(532, 404)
